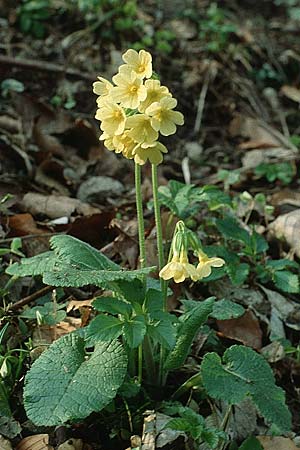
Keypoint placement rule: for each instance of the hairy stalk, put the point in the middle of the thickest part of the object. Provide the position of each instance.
(160, 252)
(142, 257)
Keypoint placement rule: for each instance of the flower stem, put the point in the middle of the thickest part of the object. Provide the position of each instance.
(140, 218)
(160, 249)
(142, 257)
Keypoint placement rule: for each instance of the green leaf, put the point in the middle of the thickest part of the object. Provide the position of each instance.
(238, 273)
(112, 305)
(9, 427)
(245, 372)
(280, 264)
(133, 291)
(153, 301)
(37, 265)
(231, 229)
(162, 329)
(286, 281)
(81, 254)
(225, 310)
(191, 322)
(62, 385)
(134, 331)
(251, 444)
(104, 328)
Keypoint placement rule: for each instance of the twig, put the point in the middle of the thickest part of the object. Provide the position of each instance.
(44, 66)
(30, 298)
(202, 96)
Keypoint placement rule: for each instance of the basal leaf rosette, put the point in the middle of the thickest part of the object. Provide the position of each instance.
(135, 109)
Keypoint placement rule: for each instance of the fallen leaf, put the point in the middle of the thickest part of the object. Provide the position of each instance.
(50, 173)
(271, 155)
(99, 189)
(273, 352)
(71, 444)
(126, 244)
(291, 92)
(243, 421)
(5, 444)
(36, 442)
(22, 225)
(155, 435)
(287, 310)
(74, 305)
(245, 329)
(276, 443)
(287, 227)
(44, 335)
(54, 206)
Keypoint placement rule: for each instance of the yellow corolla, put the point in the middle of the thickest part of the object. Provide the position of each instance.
(108, 141)
(129, 90)
(141, 130)
(179, 269)
(112, 118)
(206, 263)
(124, 144)
(155, 92)
(140, 62)
(153, 153)
(163, 118)
(102, 87)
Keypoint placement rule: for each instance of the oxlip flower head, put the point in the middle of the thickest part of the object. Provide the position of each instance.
(140, 62)
(163, 118)
(206, 263)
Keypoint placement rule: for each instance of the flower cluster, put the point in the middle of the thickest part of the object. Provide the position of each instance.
(135, 109)
(178, 266)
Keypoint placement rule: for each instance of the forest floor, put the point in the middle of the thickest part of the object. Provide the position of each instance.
(234, 69)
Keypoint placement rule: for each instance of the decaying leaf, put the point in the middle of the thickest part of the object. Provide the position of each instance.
(276, 443)
(244, 329)
(291, 92)
(267, 155)
(35, 442)
(154, 433)
(54, 206)
(273, 352)
(287, 227)
(5, 444)
(77, 304)
(71, 444)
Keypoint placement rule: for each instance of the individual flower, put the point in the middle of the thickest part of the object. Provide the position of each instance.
(129, 90)
(112, 118)
(153, 153)
(102, 88)
(206, 263)
(124, 144)
(163, 118)
(140, 62)
(141, 130)
(108, 141)
(179, 269)
(155, 92)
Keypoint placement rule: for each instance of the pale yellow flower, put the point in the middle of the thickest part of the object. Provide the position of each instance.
(124, 144)
(112, 118)
(129, 90)
(179, 268)
(108, 141)
(206, 263)
(140, 62)
(155, 92)
(141, 130)
(102, 88)
(163, 118)
(153, 153)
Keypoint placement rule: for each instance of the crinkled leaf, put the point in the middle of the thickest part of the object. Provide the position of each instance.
(153, 301)
(191, 322)
(62, 385)
(162, 328)
(134, 331)
(286, 281)
(112, 305)
(226, 309)
(238, 273)
(104, 328)
(65, 275)
(80, 254)
(245, 372)
(37, 265)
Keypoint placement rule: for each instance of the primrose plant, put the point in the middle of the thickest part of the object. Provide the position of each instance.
(133, 336)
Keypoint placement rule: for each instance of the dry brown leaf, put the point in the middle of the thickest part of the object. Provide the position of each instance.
(245, 329)
(55, 206)
(22, 225)
(287, 227)
(77, 304)
(36, 442)
(267, 155)
(276, 443)
(291, 92)
(285, 197)
(5, 444)
(44, 335)
(71, 444)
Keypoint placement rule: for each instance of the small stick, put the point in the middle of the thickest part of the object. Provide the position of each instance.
(44, 66)
(30, 298)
